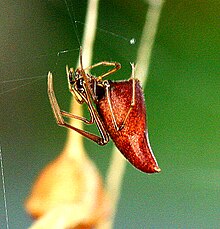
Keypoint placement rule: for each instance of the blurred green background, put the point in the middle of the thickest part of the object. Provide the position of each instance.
(182, 96)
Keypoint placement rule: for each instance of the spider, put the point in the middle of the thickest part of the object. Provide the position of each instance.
(117, 108)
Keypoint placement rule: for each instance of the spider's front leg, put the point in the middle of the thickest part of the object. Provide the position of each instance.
(60, 121)
(53, 101)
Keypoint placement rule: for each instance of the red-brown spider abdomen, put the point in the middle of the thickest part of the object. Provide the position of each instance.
(132, 139)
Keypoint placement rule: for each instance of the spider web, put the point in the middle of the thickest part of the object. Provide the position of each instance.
(4, 192)
(24, 63)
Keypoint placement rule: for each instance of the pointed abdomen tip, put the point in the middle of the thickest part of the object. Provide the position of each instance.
(157, 169)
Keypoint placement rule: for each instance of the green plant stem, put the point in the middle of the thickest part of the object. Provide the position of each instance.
(147, 39)
(87, 45)
(117, 166)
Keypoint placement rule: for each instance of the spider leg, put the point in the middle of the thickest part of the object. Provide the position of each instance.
(60, 121)
(116, 65)
(132, 100)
